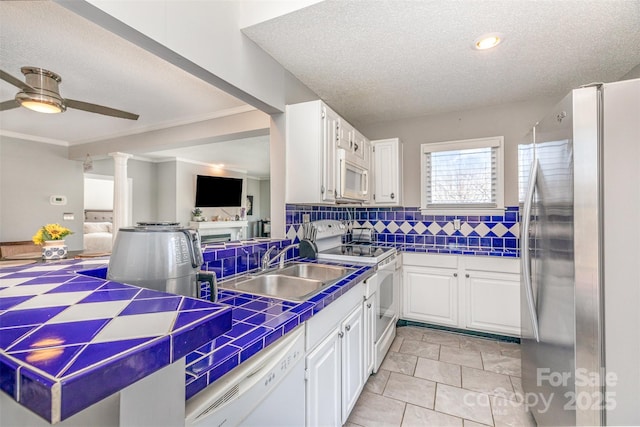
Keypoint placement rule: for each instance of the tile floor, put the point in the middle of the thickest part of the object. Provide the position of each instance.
(437, 378)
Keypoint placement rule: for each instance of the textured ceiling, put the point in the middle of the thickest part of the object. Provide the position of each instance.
(384, 60)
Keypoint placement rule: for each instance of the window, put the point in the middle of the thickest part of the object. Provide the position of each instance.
(463, 175)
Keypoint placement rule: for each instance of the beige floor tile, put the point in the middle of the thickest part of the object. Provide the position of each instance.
(510, 413)
(377, 382)
(420, 348)
(349, 424)
(510, 349)
(487, 382)
(395, 345)
(442, 338)
(480, 344)
(501, 364)
(413, 332)
(459, 356)
(440, 372)
(508, 345)
(398, 362)
(468, 423)
(513, 352)
(463, 403)
(373, 410)
(411, 390)
(415, 416)
(517, 388)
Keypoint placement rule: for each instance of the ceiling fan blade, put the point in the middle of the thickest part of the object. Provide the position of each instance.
(14, 81)
(8, 105)
(100, 109)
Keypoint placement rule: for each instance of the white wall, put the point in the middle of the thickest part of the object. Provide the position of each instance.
(31, 172)
(144, 178)
(167, 193)
(513, 121)
(265, 203)
(253, 189)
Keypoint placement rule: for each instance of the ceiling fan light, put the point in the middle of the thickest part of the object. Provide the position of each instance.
(40, 102)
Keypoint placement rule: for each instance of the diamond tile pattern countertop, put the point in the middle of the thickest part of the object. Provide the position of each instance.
(68, 340)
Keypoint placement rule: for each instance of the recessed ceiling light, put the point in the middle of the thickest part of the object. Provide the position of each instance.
(488, 41)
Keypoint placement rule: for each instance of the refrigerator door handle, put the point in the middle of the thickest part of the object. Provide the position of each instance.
(525, 256)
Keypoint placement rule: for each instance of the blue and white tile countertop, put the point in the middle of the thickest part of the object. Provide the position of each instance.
(257, 323)
(68, 340)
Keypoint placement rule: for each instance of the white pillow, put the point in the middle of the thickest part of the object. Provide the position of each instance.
(97, 227)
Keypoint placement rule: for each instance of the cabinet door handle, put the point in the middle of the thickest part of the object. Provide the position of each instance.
(466, 275)
(369, 305)
(347, 328)
(341, 334)
(393, 196)
(455, 274)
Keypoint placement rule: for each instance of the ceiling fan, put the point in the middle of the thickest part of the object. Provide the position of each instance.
(40, 93)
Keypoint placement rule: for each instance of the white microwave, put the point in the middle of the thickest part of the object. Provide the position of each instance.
(352, 180)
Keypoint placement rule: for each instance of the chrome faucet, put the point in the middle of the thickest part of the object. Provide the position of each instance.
(266, 258)
(266, 262)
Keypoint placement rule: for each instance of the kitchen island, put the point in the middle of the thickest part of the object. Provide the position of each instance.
(75, 344)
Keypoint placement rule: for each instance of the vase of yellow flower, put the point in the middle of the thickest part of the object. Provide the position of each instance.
(51, 238)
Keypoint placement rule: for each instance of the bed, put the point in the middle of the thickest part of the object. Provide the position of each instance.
(98, 230)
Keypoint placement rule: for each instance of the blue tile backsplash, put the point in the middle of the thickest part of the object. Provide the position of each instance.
(408, 229)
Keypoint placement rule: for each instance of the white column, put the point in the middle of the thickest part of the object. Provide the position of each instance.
(120, 191)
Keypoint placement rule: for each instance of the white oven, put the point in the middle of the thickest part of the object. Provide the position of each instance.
(386, 307)
(386, 284)
(353, 180)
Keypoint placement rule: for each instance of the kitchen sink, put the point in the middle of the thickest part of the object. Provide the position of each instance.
(297, 282)
(322, 272)
(279, 286)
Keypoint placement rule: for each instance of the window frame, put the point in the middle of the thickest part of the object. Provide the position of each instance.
(466, 208)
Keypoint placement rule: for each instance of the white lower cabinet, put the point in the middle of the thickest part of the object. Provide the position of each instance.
(493, 296)
(430, 295)
(324, 405)
(335, 360)
(352, 352)
(469, 292)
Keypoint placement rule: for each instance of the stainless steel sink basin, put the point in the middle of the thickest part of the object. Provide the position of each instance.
(296, 282)
(322, 272)
(279, 286)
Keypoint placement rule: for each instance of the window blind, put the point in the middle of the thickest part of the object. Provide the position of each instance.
(462, 177)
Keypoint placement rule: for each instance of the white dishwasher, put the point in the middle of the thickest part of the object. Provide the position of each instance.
(266, 390)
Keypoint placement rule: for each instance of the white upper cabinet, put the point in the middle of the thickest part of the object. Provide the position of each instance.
(387, 172)
(313, 133)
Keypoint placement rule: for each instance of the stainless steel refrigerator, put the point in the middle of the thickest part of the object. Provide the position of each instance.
(580, 255)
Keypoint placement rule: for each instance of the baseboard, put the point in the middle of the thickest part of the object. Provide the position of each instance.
(505, 338)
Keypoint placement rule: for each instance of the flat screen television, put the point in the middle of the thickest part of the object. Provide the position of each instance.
(218, 192)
